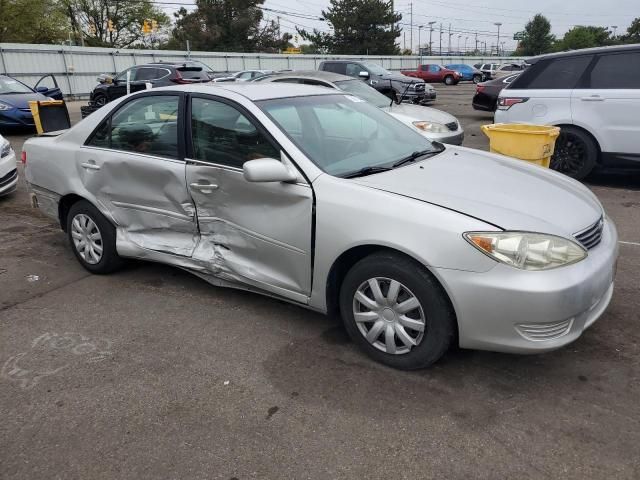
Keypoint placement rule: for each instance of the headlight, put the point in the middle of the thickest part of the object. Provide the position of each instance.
(4, 106)
(527, 251)
(431, 127)
(5, 149)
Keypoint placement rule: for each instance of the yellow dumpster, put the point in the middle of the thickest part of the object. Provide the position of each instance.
(532, 143)
(49, 115)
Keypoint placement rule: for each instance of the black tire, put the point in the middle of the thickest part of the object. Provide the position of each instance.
(100, 100)
(477, 79)
(448, 80)
(109, 261)
(439, 317)
(576, 153)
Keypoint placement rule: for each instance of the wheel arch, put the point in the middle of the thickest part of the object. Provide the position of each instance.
(347, 259)
(68, 200)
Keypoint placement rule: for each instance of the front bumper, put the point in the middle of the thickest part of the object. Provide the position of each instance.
(450, 138)
(16, 117)
(517, 311)
(8, 173)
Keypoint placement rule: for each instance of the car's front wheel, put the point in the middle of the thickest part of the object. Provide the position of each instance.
(92, 238)
(100, 100)
(477, 79)
(576, 153)
(448, 80)
(396, 311)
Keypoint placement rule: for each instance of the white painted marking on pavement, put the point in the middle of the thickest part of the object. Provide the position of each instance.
(630, 243)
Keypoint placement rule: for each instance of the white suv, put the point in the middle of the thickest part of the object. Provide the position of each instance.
(593, 95)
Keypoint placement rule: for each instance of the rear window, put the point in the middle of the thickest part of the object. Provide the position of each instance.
(621, 70)
(193, 73)
(556, 74)
(335, 67)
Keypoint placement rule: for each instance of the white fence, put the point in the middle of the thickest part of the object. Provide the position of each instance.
(76, 68)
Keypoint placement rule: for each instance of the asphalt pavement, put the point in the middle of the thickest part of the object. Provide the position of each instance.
(151, 373)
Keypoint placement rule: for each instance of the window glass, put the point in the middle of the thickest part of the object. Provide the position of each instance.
(621, 70)
(364, 91)
(123, 75)
(192, 73)
(221, 134)
(558, 73)
(318, 83)
(146, 125)
(353, 69)
(287, 80)
(245, 75)
(434, 68)
(9, 85)
(335, 67)
(146, 73)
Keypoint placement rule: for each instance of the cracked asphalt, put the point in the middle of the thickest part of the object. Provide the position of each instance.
(151, 373)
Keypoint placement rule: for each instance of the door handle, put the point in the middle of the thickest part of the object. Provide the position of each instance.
(204, 187)
(592, 98)
(90, 166)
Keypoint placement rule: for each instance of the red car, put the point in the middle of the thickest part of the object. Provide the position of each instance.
(434, 73)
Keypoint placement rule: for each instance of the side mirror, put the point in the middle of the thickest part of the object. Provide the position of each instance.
(105, 78)
(363, 74)
(42, 89)
(267, 170)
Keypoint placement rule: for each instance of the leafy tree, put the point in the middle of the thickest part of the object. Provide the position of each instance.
(227, 25)
(633, 32)
(537, 37)
(584, 37)
(360, 27)
(20, 23)
(89, 18)
(310, 48)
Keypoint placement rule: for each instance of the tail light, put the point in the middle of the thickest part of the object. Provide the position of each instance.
(179, 79)
(23, 157)
(479, 88)
(505, 103)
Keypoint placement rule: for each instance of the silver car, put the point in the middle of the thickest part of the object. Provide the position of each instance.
(434, 124)
(319, 198)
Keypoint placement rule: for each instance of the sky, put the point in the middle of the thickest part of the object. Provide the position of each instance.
(465, 17)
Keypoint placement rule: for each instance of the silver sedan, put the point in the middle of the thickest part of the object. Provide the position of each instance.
(321, 199)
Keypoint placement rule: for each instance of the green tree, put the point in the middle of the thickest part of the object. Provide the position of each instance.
(584, 37)
(90, 18)
(20, 23)
(227, 26)
(360, 27)
(537, 37)
(633, 32)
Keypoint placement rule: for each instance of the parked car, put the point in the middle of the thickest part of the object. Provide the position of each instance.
(15, 97)
(467, 72)
(242, 76)
(486, 97)
(489, 69)
(196, 63)
(8, 170)
(394, 85)
(494, 70)
(434, 73)
(159, 74)
(321, 199)
(434, 124)
(593, 95)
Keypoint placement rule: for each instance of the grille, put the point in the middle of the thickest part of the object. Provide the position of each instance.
(418, 87)
(453, 126)
(539, 332)
(591, 236)
(8, 178)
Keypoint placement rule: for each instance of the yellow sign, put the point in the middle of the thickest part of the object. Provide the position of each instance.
(293, 50)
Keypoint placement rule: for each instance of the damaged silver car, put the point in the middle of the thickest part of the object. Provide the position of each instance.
(319, 198)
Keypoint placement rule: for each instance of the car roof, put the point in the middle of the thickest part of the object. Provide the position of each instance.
(256, 91)
(312, 74)
(585, 51)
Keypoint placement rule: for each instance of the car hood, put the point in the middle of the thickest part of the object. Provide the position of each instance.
(21, 100)
(412, 113)
(507, 193)
(398, 77)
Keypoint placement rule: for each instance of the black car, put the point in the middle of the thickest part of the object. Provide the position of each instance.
(394, 85)
(157, 74)
(486, 97)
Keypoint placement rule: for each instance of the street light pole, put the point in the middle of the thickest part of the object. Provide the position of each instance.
(465, 44)
(498, 44)
(440, 51)
(615, 29)
(420, 27)
(459, 36)
(430, 33)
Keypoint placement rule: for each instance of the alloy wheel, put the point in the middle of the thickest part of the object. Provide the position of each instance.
(388, 315)
(87, 238)
(569, 154)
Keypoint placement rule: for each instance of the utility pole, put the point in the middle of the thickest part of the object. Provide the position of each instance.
(278, 17)
(440, 50)
(450, 38)
(465, 44)
(430, 34)
(497, 24)
(459, 37)
(411, 33)
(420, 27)
(476, 43)
(615, 29)
(404, 40)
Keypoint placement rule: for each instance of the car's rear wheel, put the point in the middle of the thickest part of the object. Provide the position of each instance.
(92, 238)
(576, 153)
(396, 311)
(448, 80)
(477, 79)
(100, 99)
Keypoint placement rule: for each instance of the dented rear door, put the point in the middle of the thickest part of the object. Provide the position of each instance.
(253, 233)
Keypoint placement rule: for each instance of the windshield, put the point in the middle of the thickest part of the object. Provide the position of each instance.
(376, 69)
(9, 85)
(365, 92)
(343, 134)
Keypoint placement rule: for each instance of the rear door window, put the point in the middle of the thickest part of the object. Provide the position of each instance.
(556, 74)
(620, 70)
(192, 73)
(147, 73)
(335, 67)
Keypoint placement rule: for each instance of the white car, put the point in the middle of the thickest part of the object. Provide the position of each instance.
(243, 76)
(8, 169)
(593, 95)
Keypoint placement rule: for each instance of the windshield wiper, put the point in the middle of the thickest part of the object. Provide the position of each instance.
(415, 155)
(363, 172)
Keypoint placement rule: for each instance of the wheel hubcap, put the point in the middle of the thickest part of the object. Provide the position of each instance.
(388, 315)
(569, 154)
(87, 238)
